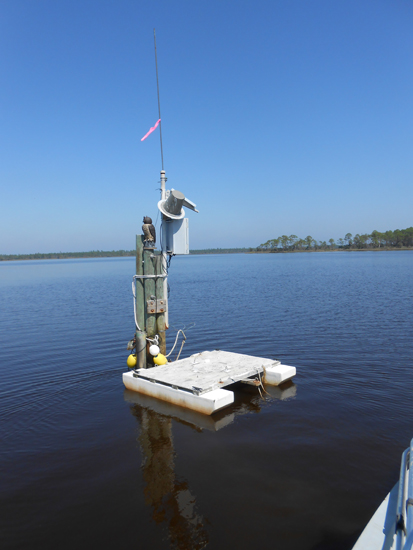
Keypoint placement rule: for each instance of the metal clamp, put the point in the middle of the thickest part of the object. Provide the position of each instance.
(149, 276)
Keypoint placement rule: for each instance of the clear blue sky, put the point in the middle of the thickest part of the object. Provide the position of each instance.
(278, 117)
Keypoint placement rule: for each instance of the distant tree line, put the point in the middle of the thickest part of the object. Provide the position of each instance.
(62, 255)
(400, 238)
(109, 254)
(221, 251)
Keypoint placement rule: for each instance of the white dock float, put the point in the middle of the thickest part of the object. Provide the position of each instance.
(197, 381)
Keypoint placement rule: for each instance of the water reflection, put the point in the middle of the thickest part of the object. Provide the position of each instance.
(283, 392)
(184, 416)
(172, 502)
(246, 400)
(173, 505)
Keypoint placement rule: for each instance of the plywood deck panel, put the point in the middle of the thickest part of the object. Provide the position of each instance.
(207, 371)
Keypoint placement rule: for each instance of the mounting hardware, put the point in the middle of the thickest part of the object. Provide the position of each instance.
(156, 306)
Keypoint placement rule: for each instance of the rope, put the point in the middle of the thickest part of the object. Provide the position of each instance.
(176, 340)
(262, 386)
(182, 345)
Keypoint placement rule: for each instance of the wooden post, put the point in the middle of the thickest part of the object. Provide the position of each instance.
(160, 318)
(149, 269)
(140, 307)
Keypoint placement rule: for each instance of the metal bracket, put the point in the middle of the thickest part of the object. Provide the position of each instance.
(150, 276)
(156, 306)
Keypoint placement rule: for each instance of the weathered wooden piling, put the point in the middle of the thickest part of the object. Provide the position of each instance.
(150, 301)
(140, 307)
(149, 285)
(160, 316)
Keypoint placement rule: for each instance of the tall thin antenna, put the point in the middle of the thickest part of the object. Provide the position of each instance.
(159, 101)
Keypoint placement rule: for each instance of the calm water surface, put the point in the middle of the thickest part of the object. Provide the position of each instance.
(86, 464)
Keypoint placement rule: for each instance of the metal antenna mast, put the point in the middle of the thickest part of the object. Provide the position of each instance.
(159, 101)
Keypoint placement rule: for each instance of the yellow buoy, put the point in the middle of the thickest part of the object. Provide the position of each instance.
(160, 359)
(131, 361)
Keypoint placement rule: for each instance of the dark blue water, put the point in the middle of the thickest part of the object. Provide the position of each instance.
(85, 464)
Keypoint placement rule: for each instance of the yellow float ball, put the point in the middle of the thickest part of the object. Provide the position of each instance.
(131, 361)
(160, 359)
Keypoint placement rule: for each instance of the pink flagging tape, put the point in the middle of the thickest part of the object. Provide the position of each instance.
(151, 130)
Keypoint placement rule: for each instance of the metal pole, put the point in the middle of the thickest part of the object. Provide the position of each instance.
(163, 181)
(159, 101)
(165, 280)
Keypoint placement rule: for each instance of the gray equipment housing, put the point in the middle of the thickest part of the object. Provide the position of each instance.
(175, 236)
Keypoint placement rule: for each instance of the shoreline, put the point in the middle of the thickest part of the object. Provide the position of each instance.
(130, 254)
(381, 249)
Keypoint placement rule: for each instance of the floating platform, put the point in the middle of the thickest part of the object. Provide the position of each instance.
(197, 382)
